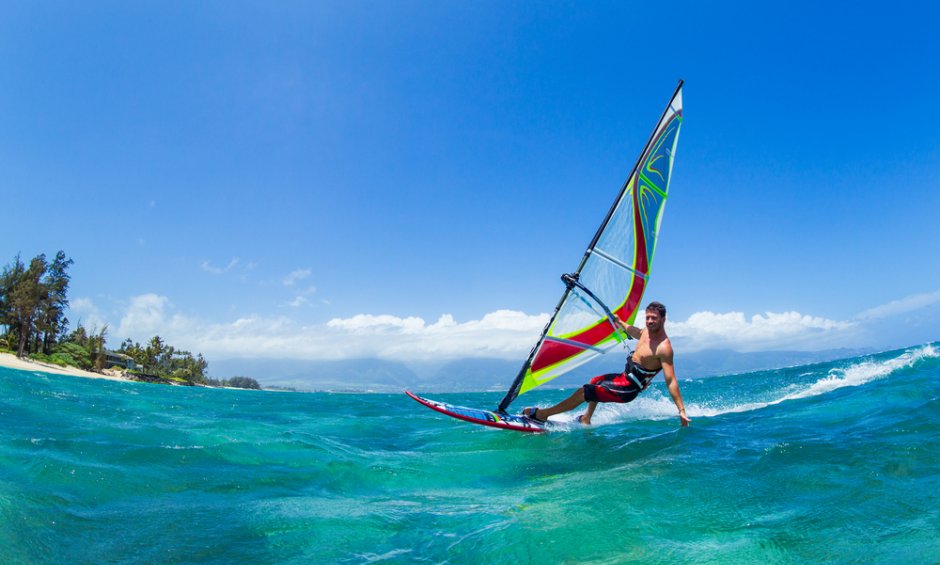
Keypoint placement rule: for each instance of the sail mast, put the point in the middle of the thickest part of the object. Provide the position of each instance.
(570, 280)
(513, 391)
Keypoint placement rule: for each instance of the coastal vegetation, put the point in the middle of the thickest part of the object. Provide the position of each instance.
(236, 382)
(33, 301)
(164, 360)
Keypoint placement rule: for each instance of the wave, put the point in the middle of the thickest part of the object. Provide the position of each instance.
(865, 371)
(659, 406)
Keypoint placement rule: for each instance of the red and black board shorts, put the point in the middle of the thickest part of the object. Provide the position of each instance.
(613, 387)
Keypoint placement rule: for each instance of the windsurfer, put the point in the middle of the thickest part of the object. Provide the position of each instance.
(653, 354)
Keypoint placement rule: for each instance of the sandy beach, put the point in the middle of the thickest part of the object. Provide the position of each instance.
(13, 362)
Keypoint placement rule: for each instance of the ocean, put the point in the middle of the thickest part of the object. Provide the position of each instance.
(833, 462)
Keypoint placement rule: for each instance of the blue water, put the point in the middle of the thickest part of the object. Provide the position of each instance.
(835, 462)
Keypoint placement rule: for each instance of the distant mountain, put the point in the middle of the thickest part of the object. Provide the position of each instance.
(359, 374)
(488, 374)
(475, 374)
(372, 374)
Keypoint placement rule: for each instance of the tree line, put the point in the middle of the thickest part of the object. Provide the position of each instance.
(33, 301)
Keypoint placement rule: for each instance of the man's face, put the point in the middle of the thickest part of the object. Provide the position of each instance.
(653, 322)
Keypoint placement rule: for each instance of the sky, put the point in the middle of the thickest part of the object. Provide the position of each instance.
(407, 180)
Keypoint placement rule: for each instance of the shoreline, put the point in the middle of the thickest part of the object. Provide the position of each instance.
(11, 361)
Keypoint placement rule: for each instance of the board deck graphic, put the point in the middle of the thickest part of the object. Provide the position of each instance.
(485, 417)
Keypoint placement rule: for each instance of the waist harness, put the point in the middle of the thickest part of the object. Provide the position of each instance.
(641, 376)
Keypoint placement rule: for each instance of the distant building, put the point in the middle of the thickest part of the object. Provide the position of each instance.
(113, 358)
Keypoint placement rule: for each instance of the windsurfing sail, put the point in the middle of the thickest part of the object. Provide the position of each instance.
(614, 270)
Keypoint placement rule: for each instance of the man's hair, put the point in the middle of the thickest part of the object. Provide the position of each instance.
(657, 307)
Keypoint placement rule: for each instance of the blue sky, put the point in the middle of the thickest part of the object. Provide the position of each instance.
(408, 179)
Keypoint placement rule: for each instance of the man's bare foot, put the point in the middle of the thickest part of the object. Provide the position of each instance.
(584, 420)
(532, 414)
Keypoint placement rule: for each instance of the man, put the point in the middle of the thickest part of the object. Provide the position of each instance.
(653, 353)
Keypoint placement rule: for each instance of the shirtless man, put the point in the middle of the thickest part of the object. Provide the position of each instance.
(653, 354)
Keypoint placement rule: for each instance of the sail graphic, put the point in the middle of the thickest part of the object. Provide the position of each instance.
(614, 270)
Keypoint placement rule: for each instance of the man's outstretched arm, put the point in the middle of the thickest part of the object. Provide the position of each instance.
(669, 373)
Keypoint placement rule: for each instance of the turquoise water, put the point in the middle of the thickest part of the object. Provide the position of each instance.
(834, 462)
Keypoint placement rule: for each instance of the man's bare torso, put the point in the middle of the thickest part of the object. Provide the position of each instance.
(647, 351)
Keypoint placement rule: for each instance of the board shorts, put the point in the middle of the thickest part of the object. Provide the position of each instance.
(619, 387)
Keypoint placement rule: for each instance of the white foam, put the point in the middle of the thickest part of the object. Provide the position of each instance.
(853, 375)
(656, 406)
(866, 371)
(651, 406)
(374, 557)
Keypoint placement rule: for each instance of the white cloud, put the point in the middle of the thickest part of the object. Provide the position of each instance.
(85, 311)
(147, 316)
(903, 305)
(499, 334)
(504, 333)
(300, 297)
(209, 268)
(296, 276)
(367, 324)
(770, 330)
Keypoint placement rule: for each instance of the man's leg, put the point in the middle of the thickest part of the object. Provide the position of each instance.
(569, 403)
(586, 417)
